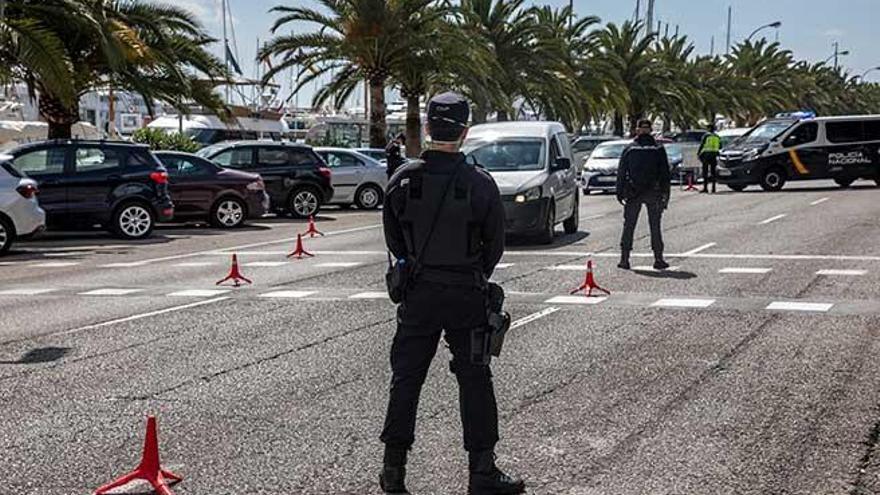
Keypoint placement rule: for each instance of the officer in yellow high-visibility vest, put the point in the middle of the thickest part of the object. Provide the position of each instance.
(710, 147)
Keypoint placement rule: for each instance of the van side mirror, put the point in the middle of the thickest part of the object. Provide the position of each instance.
(562, 163)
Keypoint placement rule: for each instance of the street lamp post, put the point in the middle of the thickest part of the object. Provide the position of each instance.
(776, 25)
(837, 53)
(861, 77)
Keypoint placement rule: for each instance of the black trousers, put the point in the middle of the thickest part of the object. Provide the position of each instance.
(653, 202)
(428, 310)
(710, 170)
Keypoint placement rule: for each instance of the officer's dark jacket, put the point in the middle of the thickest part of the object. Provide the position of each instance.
(643, 167)
(469, 234)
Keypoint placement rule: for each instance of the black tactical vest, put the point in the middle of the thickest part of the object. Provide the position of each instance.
(456, 241)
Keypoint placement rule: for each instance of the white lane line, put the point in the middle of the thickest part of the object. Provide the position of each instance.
(819, 201)
(369, 295)
(504, 265)
(843, 273)
(288, 294)
(130, 264)
(25, 292)
(110, 292)
(746, 270)
(799, 306)
(649, 268)
(683, 303)
(137, 317)
(265, 263)
(570, 268)
(55, 264)
(339, 264)
(532, 317)
(350, 253)
(191, 264)
(198, 293)
(250, 253)
(773, 219)
(575, 300)
(699, 249)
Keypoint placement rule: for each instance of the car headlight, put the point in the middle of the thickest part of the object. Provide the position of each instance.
(528, 195)
(752, 154)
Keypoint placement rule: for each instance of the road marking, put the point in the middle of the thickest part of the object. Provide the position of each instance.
(251, 253)
(504, 265)
(648, 268)
(110, 292)
(196, 263)
(575, 300)
(339, 264)
(745, 270)
(351, 253)
(595, 217)
(130, 264)
(683, 303)
(55, 264)
(819, 201)
(288, 294)
(843, 273)
(137, 317)
(570, 268)
(77, 248)
(799, 306)
(198, 293)
(532, 317)
(25, 292)
(773, 219)
(699, 249)
(370, 295)
(265, 263)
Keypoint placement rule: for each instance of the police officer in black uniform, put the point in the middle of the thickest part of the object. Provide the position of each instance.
(643, 179)
(448, 293)
(394, 154)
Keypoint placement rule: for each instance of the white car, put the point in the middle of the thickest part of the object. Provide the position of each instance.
(20, 214)
(600, 169)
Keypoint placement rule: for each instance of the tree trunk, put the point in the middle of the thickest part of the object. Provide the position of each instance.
(378, 127)
(501, 115)
(480, 114)
(59, 116)
(618, 124)
(413, 127)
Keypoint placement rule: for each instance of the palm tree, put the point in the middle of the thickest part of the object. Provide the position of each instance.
(357, 40)
(762, 82)
(158, 51)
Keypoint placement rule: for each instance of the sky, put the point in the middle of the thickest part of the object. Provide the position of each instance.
(809, 27)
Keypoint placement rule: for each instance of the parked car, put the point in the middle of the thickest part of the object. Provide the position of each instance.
(377, 154)
(532, 164)
(728, 136)
(118, 185)
(297, 179)
(20, 213)
(600, 169)
(357, 179)
(582, 146)
(691, 136)
(203, 190)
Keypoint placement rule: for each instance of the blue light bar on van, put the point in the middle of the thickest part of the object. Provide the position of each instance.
(804, 114)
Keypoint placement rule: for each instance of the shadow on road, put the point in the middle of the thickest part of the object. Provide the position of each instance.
(41, 355)
(670, 274)
(523, 243)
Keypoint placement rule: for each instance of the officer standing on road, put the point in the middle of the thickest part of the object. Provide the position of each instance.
(643, 179)
(446, 217)
(394, 154)
(710, 147)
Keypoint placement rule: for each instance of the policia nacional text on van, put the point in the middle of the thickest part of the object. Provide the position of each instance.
(444, 223)
(803, 147)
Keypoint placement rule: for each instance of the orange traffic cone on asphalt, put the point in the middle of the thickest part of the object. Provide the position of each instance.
(234, 274)
(312, 230)
(299, 251)
(149, 470)
(589, 283)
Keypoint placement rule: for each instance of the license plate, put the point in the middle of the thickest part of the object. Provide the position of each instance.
(606, 178)
(723, 172)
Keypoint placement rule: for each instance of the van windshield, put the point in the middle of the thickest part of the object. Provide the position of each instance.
(763, 133)
(506, 155)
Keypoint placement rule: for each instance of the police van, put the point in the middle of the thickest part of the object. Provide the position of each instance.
(787, 148)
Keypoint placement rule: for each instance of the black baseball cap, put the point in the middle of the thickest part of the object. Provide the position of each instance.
(448, 110)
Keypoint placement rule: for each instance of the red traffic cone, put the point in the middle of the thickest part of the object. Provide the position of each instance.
(691, 186)
(299, 251)
(149, 470)
(235, 274)
(312, 231)
(589, 283)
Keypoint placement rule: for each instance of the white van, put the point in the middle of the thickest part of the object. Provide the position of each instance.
(532, 164)
(209, 129)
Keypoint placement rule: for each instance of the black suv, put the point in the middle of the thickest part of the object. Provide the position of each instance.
(118, 185)
(297, 179)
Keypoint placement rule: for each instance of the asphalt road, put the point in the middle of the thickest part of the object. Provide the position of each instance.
(752, 368)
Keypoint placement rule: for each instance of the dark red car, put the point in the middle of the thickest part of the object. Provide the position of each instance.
(201, 189)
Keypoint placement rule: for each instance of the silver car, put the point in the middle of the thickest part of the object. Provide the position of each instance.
(356, 178)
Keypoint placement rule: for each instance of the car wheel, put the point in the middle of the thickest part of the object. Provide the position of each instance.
(368, 197)
(133, 221)
(228, 213)
(549, 230)
(7, 235)
(304, 202)
(844, 182)
(737, 187)
(773, 179)
(572, 223)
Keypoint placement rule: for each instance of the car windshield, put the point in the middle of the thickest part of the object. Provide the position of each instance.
(608, 151)
(763, 133)
(506, 155)
(209, 151)
(673, 151)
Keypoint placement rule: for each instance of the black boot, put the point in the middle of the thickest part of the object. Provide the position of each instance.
(487, 479)
(659, 262)
(393, 471)
(624, 260)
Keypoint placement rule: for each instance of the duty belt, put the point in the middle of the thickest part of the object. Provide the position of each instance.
(449, 277)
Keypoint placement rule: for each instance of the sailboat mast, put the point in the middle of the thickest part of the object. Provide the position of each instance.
(225, 46)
